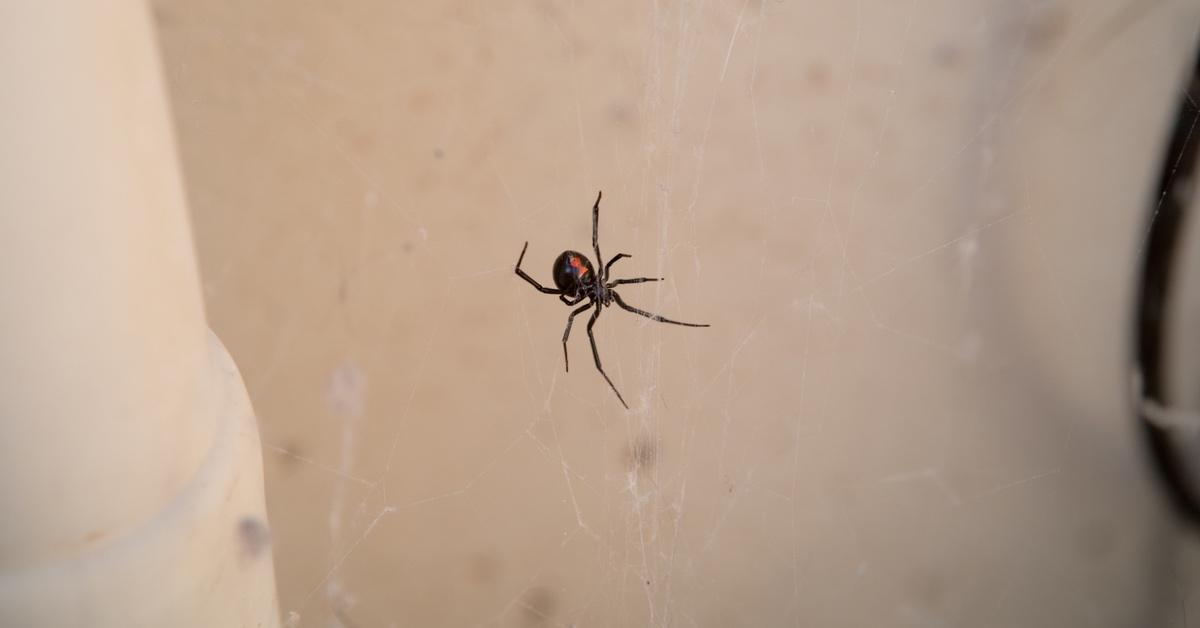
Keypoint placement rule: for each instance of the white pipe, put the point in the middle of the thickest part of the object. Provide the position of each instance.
(131, 470)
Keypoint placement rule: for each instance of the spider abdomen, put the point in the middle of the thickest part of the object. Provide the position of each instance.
(573, 272)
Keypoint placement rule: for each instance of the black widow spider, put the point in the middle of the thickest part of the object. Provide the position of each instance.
(576, 281)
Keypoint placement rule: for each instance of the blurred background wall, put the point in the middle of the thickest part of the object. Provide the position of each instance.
(913, 226)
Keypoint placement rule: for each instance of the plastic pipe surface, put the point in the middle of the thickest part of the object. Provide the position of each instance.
(132, 473)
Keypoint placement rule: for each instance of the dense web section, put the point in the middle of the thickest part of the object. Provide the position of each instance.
(705, 490)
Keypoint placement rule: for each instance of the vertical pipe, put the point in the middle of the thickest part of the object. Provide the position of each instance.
(131, 470)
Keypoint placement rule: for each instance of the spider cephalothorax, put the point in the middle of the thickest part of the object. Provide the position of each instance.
(576, 279)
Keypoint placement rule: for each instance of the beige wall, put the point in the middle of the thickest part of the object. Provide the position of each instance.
(912, 225)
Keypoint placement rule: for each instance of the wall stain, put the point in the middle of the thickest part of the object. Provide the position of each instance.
(539, 604)
(641, 454)
(253, 536)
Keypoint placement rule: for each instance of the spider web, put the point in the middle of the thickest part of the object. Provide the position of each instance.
(863, 199)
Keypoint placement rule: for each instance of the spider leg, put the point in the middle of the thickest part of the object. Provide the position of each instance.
(531, 280)
(596, 228)
(568, 301)
(596, 354)
(611, 262)
(567, 332)
(638, 280)
(654, 317)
